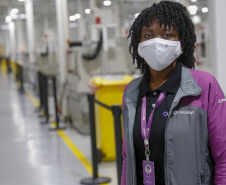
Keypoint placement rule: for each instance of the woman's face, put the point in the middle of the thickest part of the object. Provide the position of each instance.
(153, 30)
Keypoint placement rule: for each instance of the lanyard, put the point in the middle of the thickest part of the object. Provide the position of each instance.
(146, 128)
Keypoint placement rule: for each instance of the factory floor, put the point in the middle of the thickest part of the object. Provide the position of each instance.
(31, 154)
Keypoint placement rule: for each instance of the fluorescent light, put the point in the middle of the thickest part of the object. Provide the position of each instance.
(107, 3)
(87, 11)
(8, 19)
(205, 9)
(193, 1)
(72, 18)
(21, 0)
(192, 9)
(14, 11)
(196, 19)
(77, 16)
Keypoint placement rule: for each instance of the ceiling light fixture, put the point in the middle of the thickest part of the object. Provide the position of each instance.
(192, 9)
(87, 11)
(77, 16)
(107, 3)
(14, 11)
(21, 0)
(205, 9)
(8, 19)
(193, 1)
(72, 18)
(196, 19)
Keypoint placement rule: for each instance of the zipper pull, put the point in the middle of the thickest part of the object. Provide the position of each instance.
(202, 178)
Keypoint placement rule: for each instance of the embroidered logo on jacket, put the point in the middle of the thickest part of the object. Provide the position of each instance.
(221, 100)
(165, 113)
(184, 112)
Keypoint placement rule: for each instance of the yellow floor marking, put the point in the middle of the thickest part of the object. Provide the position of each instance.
(85, 162)
(33, 100)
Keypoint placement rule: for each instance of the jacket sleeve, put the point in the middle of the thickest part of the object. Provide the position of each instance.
(217, 131)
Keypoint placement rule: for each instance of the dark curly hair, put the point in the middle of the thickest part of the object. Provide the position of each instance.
(171, 14)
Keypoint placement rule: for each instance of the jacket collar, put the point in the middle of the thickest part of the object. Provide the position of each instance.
(188, 84)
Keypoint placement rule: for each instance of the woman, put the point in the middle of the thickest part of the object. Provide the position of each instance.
(174, 117)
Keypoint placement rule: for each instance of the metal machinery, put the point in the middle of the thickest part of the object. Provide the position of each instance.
(112, 58)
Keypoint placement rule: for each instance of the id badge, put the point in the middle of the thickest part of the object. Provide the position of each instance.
(148, 173)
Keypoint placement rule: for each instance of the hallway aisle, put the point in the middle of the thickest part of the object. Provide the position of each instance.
(30, 154)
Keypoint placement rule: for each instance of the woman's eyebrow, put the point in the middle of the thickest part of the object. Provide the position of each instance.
(146, 29)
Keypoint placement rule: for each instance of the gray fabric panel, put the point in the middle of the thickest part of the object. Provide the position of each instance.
(124, 117)
(129, 168)
(187, 141)
(188, 83)
(134, 85)
(131, 98)
(132, 113)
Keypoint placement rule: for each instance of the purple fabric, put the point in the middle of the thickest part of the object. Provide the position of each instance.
(213, 101)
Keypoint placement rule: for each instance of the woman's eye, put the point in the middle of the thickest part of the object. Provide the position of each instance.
(167, 35)
(147, 35)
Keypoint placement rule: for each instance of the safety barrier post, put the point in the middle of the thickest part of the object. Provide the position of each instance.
(8, 65)
(21, 79)
(55, 106)
(95, 179)
(40, 90)
(117, 112)
(16, 72)
(41, 95)
(46, 98)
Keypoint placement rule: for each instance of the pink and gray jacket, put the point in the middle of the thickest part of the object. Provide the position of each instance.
(195, 132)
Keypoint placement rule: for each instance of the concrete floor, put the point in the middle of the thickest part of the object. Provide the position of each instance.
(30, 154)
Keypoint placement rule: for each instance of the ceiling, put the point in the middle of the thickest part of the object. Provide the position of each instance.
(47, 8)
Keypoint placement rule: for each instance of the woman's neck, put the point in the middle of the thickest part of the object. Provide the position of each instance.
(160, 77)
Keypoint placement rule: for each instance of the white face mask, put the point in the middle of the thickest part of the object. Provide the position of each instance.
(159, 53)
